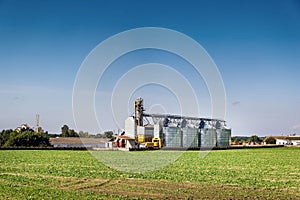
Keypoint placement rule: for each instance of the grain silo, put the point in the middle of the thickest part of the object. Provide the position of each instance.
(172, 136)
(176, 130)
(208, 136)
(190, 136)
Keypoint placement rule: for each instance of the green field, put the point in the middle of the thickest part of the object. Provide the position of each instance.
(228, 174)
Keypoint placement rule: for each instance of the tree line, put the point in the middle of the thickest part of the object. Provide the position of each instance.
(67, 132)
(253, 139)
(24, 138)
(27, 137)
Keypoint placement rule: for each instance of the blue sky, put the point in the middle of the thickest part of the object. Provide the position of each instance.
(255, 45)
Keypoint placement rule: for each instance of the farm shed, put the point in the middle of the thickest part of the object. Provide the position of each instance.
(76, 142)
(287, 140)
(125, 141)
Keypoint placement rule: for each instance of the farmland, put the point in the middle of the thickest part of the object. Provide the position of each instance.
(227, 174)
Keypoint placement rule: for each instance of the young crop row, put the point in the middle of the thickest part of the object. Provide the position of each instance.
(56, 172)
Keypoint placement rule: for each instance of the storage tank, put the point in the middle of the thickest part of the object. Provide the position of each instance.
(190, 137)
(219, 137)
(225, 138)
(173, 136)
(208, 136)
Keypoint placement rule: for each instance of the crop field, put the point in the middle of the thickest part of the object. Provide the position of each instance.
(225, 174)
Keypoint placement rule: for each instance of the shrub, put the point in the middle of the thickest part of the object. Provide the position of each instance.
(270, 140)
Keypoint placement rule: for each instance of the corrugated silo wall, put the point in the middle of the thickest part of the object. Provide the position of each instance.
(211, 137)
(190, 137)
(208, 137)
(225, 139)
(172, 136)
(194, 137)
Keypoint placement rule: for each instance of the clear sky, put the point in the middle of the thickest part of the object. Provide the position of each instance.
(255, 45)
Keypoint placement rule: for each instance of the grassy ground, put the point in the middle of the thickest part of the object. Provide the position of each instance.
(228, 174)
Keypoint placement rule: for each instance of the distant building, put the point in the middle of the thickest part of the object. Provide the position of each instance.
(288, 140)
(124, 141)
(76, 142)
(23, 127)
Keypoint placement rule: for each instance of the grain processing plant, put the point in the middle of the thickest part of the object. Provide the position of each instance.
(156, 131)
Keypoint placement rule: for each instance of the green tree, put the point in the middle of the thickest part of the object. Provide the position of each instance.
(83, 134)
(4, 136)
(72, 133)
(65, 131)
(270, 140)
(255, 139)
(28, 139)
(108, 134)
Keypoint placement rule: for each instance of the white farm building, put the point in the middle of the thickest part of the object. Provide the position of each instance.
(288, 140)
